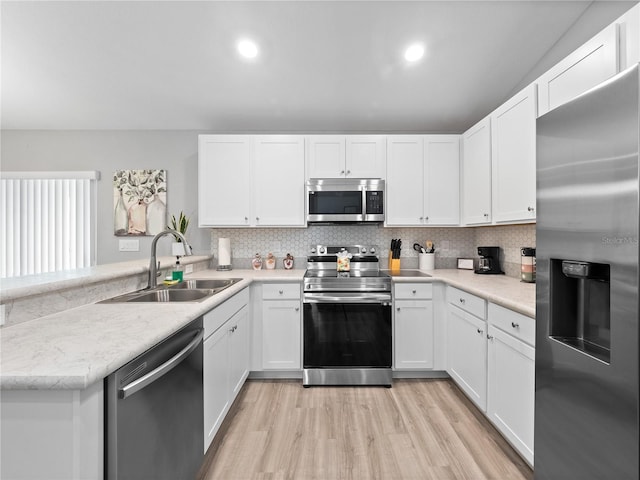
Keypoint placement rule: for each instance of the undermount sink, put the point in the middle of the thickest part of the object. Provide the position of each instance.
(170, 295)
(193, 290)
(216, 284)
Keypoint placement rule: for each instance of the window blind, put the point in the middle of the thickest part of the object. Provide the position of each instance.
(48, 221)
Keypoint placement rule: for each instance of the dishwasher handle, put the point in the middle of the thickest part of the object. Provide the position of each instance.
(159, 371)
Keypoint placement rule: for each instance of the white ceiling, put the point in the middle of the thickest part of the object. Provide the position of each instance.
(323, 65)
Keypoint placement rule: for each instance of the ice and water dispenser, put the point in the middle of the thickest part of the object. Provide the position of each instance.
(580, 313)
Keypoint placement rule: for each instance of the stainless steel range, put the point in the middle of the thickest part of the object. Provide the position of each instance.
(347, 319)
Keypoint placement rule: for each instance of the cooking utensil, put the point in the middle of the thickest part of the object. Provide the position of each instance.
(419, 248)
(431, 247)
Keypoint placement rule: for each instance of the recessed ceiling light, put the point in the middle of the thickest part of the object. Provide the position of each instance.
(247, 48)
(414, 52)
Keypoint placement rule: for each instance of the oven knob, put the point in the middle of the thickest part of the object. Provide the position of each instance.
(322, 250)
(313, 250)
(363, 250)
(373, 250)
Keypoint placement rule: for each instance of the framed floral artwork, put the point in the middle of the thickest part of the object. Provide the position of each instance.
(139, 202)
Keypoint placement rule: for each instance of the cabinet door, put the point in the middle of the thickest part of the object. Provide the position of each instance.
(405, 177)
(476, 174)
(224, 188)
(281, 335)
(467, 354)
(238, 327)
(586, 67)
(278, 173)
(326, 156)
(511, 389)
(365, 156)
(513, 155)
(413, 335)
(442, 179)
(215, 378)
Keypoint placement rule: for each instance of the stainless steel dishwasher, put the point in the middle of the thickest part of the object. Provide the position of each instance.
(154, 411)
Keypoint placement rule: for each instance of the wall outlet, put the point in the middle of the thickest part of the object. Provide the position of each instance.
(188, 269)
(129, 245)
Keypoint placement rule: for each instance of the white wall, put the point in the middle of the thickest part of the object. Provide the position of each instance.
(107, 151)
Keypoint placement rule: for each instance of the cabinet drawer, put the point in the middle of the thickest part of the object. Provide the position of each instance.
(422, 291)
(467, 302)
(516, 324)
(276, 291)
(214, 319)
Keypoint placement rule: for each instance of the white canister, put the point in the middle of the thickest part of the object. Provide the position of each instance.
(427, 261)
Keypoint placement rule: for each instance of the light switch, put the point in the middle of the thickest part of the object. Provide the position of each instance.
(188, 269)
(129, 245)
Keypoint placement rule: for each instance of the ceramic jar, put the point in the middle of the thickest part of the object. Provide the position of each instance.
(256, 263)
(271, 261)
(288, 262)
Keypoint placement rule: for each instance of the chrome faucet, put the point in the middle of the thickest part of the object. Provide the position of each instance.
(154, 265)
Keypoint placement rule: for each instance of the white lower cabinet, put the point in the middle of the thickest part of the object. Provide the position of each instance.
(413, 327)
(511, 377)
(281, 327)
(467, 354)
(225, 360)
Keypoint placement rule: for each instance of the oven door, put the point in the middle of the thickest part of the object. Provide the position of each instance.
(347, 337)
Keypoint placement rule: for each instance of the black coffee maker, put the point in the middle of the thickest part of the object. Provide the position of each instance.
(489, 262)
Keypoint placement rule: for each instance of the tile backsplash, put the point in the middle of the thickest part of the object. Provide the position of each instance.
(451, 243)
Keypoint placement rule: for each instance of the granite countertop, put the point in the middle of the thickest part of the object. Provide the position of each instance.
(506, 291)
(77, 347)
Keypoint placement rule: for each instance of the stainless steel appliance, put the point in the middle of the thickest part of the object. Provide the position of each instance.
(586, 415)
(489, 262)
(345, 200)
(154, 411)
(346, 319)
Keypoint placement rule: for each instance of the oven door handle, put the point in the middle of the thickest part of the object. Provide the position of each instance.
(383, 298)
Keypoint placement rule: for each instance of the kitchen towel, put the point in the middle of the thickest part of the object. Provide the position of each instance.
(224, 251)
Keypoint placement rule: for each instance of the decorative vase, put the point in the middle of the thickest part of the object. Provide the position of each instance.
(156, 219)
(138, 218)
(288, 262)
(120, 217)
(271, 261)
(256, 263)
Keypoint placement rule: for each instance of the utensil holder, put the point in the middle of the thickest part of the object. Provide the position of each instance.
(427, 261)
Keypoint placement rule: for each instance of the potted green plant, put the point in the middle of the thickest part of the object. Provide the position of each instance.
(179, 224)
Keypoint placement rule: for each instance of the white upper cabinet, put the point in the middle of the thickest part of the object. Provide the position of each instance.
(246, 180)
(405, 179)
(586, 67)
(476, 174)
(629, 31)
(278, 176)
(423, 180)
(442, 180)
(224, 186)
(350, 156)
(513, 154)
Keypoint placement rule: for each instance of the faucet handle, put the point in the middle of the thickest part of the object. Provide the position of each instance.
(158, 272)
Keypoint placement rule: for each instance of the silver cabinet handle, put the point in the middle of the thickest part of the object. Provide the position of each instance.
(246, 219)
(257, 219)
(297, 309)
(515, 325)
(462, 300)
(398, 309)
(486, 215)
(530, 209)
(348, 172)
(280, 292)
(421, 218)
(159, 371)
(413, 291)
(341, 172)
(480, 331)
(489, 337)
(426, 219)
(233, 329)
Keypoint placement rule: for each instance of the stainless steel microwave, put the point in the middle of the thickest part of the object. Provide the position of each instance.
(345, 200)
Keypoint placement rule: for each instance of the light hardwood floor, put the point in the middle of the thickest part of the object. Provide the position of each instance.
(419, 429)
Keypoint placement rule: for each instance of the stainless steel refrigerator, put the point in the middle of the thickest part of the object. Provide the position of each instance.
(586, 414)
